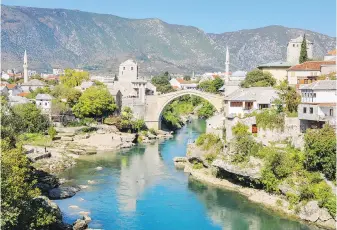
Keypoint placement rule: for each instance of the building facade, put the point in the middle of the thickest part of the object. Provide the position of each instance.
(44, 102)
(128, 71)
(277, 69)
(294, 49)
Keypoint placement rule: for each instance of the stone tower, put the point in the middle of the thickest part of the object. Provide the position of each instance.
(25, 68)
(227, 65)
(294, 49)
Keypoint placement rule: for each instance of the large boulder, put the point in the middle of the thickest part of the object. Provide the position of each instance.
(310, 211)
(63, 192)
(80, 225)
(45, 181)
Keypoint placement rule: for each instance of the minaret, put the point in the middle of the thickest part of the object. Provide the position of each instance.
(25, 68)
(227, 65)
(193, 74)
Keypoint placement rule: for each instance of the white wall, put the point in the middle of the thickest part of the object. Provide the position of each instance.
(293, 75)
(294, 49)
(43, 104)
(326, 69)
(175, 83)
(279, 74)
(322, 96)
(128, 71)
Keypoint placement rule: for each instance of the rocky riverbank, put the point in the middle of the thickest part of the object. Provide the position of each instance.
(69, 144)
(221, 173)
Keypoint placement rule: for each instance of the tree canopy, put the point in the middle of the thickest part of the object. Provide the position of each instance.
(320, 151)
(162, 82)
(70, 95)
(73, 78)
(258, 78)
(288, 96)
(211, 86)
(95, 102)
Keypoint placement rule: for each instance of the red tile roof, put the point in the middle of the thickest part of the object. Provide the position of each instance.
(181, 80)
(23, 94)
(332, 52)
(312, 65)
(11, 86)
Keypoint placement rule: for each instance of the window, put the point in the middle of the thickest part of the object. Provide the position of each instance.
(131, 68)
(331, 112)
(311, 110)
(124, 68)
(236, 104)
(293, 45)
(304, 109)
(305, 81)
(45, 103)
(314, 94)
(40, 103)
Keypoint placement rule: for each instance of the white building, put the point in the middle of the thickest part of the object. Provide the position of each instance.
(318, 105)
(128, 71)
(294, 49)
(308, 72)
(32, 85)
(58, 71)
(44, 102)
(331, 56)
(180, 83)
(103, 79)
(86, 84)
(247, 100)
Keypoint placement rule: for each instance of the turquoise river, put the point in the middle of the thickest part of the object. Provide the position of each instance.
(140, 188)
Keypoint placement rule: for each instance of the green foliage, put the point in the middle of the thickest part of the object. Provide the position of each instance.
(210, 157)
(98, 83)
(320, 151)
(95, 102)
(30, 118)
(52, 132)
(18, 209)
(269, 119)
(153, 131)
(206, 111)
(73, 78)
(59, 107)
(33, 94)
(187, 78)
(70, 95)
(288, 96)
(211, 86)
(269, 181)
(162, 82)
(138, 125)
(37, 139)
(198, 165)
(303, 53)
(209, 141)
(258, 78)
(240, 129)
(293, 199)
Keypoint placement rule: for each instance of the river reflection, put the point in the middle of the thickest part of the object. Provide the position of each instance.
(141, 189)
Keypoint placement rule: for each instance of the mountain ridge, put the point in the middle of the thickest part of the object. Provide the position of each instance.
(74, 38)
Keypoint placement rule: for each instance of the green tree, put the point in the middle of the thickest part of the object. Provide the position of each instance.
(211, 86)
(33, 94)
(126, 118)
(31, 119)
(162, 82)
(138, 125)
(320, 150)
(70, 95)
(206, 111)
(303, 54)
(18, 195)
(95, 102)
(258, 78)
(73, 78)
(187, 78)
(288, 96)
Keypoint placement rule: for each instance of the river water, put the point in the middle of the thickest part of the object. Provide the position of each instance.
(140, 189)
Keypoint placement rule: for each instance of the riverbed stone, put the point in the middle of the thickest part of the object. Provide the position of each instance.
(66, 138)
(310, 211)
(324, 214)
(63, 192)
(80, 225)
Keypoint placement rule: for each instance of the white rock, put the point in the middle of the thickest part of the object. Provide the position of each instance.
(99, 168)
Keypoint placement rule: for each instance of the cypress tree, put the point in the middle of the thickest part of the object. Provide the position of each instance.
(303, 53)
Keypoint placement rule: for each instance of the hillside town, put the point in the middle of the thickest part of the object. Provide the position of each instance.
(258, 125)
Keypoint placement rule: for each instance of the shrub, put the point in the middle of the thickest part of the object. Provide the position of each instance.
(116, 121)
(52, 132)
(293, 199)
(198, 165)
(240, 129)
(153, 131)
(270, 119)
(269, 181)
(201, 139)
(210, 157)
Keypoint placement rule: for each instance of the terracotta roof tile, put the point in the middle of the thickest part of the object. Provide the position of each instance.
(11, 86)
(332, 52)
(23, 94)
(312, 65)
(181, 80)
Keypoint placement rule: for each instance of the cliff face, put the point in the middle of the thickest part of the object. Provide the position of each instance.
(71, 38)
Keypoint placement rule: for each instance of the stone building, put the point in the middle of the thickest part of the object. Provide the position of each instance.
(44, 102)
(294, 49)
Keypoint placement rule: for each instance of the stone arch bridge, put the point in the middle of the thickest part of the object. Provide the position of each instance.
(155, 104)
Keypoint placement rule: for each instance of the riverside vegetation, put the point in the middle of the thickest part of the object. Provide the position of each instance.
(304, 173)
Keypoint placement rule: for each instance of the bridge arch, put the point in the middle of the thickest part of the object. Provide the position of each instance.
(154, 117)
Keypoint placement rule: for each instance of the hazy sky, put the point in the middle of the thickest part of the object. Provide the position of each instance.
(212, 16)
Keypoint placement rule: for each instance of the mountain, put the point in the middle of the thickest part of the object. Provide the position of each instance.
(99, 42)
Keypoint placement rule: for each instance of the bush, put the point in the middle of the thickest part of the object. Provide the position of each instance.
(198, 165)
(270, 119)
(269, 181)
(210, 157)
(52, 132)
(153, 131)
(38, 139)
(320, 151)
(293, 199)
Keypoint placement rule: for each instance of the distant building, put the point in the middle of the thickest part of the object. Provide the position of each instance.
(180, 83)
(32, 85)
(230, 87)
(318, 104)
(13, 89)
(16, 100)
(58, 71)
(86, 84)
(5, 75)
(331, 56)
(277, 69)
(247, 100)
(31, 73)
(4, 91)
(44, 102)
(103, 79)
(128, 71)
(294, 49)
(308, 72)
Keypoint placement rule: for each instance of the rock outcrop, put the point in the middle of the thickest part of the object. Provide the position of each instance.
(63, 192)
